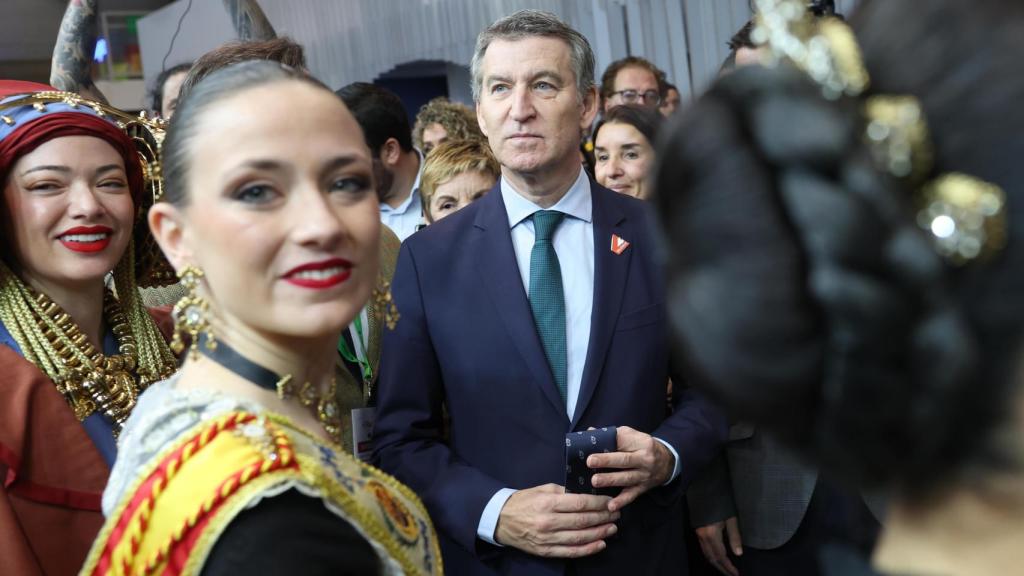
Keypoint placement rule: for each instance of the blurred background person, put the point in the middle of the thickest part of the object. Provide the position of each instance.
(846, 269)
(440, 120)
(456, 174)
(163, 98)
(632, 80)
(385, 125)
(670, 102)
(73, 357)
(624, 149)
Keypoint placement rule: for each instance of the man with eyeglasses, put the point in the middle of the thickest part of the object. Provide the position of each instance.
(632, 80)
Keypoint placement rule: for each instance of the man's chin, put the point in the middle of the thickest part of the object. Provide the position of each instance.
(524, 164)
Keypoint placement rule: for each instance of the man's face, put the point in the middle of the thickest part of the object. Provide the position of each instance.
(529, 107)
(633, 85)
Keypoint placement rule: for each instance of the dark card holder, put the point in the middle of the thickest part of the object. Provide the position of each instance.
(580, 445)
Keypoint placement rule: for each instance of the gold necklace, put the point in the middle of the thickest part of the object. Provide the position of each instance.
(328, 410)
(325, 405)
(89, 381)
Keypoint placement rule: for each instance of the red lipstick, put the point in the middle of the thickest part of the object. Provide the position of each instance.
(86, 239)
(319, 275)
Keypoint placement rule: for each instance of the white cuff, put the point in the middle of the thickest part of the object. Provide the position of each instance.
(489, 519)
(677, 468)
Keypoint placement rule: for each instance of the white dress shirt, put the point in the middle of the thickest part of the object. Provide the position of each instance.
(405, 219)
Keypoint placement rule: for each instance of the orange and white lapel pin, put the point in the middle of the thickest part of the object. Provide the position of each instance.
(619, 244)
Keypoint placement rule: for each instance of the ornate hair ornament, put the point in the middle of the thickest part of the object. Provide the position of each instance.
(963, 215)
(148, 135)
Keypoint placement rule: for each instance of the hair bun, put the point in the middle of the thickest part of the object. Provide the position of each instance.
(803, 295)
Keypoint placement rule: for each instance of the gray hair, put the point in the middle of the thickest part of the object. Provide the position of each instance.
(213, 88)
(531, 23)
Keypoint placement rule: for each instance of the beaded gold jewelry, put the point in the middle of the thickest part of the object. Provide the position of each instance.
(89, 381)
(963, 215)
(191, 315)
(328, 410)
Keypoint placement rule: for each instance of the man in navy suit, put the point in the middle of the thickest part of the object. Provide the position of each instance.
(534, 312)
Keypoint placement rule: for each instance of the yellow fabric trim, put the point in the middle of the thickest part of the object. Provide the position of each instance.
(232, 468)
(117, 569)
(362, 506)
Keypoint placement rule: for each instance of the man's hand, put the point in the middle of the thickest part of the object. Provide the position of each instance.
(545, 521)
(642, 461)
(713, 545)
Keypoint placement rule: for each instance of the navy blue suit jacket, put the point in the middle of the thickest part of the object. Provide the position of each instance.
(466, 340)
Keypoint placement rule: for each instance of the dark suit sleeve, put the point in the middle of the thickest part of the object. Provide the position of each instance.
(697, 429)
(709, 496)
(408, 440)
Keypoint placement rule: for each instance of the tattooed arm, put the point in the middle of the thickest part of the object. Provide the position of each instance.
(249, 20)
(71, 67)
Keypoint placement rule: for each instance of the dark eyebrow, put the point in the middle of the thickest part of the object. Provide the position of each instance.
(270, 165)
(339, 162)
(623, 147)
(47, 168)
(109, 168)
(267, 165)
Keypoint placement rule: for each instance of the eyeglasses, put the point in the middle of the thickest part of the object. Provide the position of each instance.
(650, 98)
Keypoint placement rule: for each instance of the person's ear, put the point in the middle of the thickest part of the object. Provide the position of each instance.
(390, 152)
(591, 102)
(166, 223)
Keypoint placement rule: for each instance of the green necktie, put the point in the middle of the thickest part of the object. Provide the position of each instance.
(547, 298)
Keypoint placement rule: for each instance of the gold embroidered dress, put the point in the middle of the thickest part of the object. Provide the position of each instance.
(191, 461)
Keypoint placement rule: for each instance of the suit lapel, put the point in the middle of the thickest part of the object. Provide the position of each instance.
(499, 270)
(610, 273)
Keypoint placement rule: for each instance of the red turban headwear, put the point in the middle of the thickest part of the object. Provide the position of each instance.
(33, 127)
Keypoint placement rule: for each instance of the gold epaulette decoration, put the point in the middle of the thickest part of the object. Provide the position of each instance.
(170, 519)
(142, 538)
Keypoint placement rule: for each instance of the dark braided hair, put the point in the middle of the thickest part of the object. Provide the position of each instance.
(802, 292)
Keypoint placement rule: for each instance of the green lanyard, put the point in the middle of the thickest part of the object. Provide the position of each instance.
(347, 354)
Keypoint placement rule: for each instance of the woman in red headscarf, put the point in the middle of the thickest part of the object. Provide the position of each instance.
(73, 357)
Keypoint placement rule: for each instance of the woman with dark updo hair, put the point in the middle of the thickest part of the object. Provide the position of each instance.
(849, 262)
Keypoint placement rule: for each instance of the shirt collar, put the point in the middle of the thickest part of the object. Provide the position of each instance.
(577, 202)
(413, 197)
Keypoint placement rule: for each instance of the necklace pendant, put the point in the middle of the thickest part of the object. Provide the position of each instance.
(308, 395)
(285, 387)
(328, 411)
